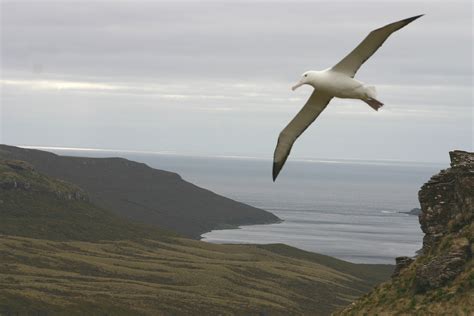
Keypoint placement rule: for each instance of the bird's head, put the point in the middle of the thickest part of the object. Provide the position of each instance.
(305, 79)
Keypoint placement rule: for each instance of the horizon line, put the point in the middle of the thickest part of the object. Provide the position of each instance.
(173, 153)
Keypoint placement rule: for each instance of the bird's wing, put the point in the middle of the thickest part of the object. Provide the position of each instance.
(352, 62)
(316, 103)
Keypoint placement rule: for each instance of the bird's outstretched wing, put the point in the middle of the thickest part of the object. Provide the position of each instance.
(352, 62)
(316, 103)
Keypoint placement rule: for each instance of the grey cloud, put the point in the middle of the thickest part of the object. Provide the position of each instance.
(423, 73)
(249, 40)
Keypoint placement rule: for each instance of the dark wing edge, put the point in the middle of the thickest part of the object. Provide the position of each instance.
(371, 43)
(316, 103)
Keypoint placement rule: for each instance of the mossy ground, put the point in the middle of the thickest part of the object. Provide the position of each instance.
(400, 296)
(176, 277)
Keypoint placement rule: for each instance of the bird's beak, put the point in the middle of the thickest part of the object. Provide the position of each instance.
(296, 86)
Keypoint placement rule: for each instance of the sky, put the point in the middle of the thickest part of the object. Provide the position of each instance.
(214, 78)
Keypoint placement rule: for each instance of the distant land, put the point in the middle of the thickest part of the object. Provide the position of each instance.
(414, 211)
(310, 194)
(135, 191)
(62, 254)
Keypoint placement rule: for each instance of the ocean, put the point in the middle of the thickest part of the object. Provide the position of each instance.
(350, 210)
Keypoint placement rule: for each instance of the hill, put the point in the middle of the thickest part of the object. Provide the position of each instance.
(34, 205)
(440, 280)
(137, 192)
(60, 254)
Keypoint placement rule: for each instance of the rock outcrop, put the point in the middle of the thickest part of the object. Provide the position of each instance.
(447, 201)
(441, 277)
(401, 264)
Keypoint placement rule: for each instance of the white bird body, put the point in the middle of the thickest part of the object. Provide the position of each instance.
(338, 84)
(337, 81)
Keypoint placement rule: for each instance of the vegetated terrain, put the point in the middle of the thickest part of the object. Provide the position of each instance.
(137, 192)
(61, 254)
(440, 280)
(37, 206)
(182, 277)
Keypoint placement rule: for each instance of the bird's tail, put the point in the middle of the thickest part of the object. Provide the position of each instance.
(374, 103)
(370, 98)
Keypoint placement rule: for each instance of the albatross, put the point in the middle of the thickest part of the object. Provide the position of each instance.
(337, 81)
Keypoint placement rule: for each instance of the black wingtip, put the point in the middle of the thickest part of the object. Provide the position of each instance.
(413, 18)
(276, 171)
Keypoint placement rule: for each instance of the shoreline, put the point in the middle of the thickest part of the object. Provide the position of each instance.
(234, 227)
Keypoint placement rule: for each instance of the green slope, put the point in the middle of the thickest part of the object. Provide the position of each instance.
(135, 191)
(60, 254)
(176, 277)
(33, 205)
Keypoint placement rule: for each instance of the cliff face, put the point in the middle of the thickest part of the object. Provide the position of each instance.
(447, 201)
(441, 277)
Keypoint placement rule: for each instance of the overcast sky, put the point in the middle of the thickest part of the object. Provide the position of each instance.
(214, 78)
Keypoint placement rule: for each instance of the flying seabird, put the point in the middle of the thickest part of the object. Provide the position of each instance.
(337, 81)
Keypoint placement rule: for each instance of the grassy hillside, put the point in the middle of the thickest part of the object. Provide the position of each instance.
(168, 278)
(135, 191)
(34, 205)
(402, 296)
(398, 296)
(60, 254)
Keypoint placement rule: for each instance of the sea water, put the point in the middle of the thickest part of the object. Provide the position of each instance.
(351, 210)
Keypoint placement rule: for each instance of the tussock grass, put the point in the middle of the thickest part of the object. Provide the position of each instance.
(178, 276)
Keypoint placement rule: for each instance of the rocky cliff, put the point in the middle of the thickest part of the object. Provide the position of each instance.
(440, 279)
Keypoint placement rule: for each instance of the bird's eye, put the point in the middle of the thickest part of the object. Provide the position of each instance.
(306, 75)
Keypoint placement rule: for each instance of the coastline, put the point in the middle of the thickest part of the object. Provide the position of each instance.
(234, 227)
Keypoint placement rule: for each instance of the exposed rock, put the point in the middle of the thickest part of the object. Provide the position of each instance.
(460, 158)
(447, 200)
(20, 175)
(11, 184)
(439, 271)
(74, 195)
(19, 165)
(401, 264)
(447, 203)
